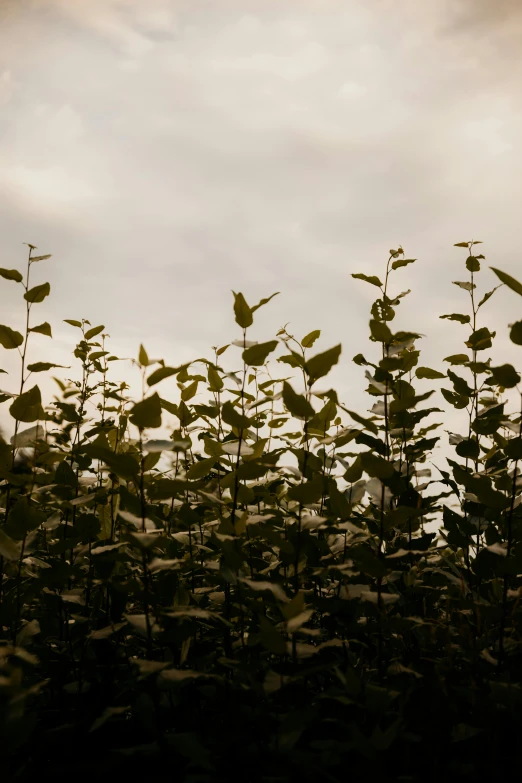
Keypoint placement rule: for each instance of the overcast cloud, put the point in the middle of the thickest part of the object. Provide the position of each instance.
(166, 152)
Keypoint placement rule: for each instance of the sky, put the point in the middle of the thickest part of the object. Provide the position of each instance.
(168, 152)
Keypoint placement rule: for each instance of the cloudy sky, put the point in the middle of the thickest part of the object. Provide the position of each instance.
(168, 151)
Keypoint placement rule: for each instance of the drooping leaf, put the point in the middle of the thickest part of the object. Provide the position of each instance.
(293, 359)
(460, 385)
(372, 279)
(72, 322)
(460, 317)
(11, 274)
(468, 448)
(426, 372)
(465, 285)
(472, 264)
(296, 404)
(9, 338)
(402, 262)
(43, 366)
(376, 466)
(457, 400)
(516, 333)
(27, 407)
(232, 416)
(505, 376)
(380, 331)
(457, 358)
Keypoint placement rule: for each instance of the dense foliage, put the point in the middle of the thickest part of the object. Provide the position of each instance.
(256, 597)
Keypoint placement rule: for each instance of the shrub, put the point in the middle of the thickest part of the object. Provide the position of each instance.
(257, 596)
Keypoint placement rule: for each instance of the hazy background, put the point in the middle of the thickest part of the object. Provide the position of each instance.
(168, 151)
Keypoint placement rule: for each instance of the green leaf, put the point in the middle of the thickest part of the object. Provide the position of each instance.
(487, 296)
(242, 311)
(263, 302)
(64, 474)
(460, 385)
(90, 333)
(354, 472)
(189, 391)
(38, 293)
(472, 264)
(321, 364)
(425, 372)
(310, 338)
(231, 416)
(44, 328)
(480, 340)
(293, 359)
(44, 366)
(8, 548)
(381, 332)
(201, 469)
(462, 244)
(215, 381)
(457, 400)
(147, 413)
(361, 420)
(256, 355)
(372, 279)
(28, 406)
(462, 319)
(457, 358)
(11, 274)
(270, 637)
(468, 448)
(143, 358)
(508, 280)
(296, 404)
(505, 376)
(72, 322)
(9, 338)
(161, 373)
(34, 259)
(513, 449)
(465, 285)
(376, 466)
(123, 465)
(402, 262)
(516, 333)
